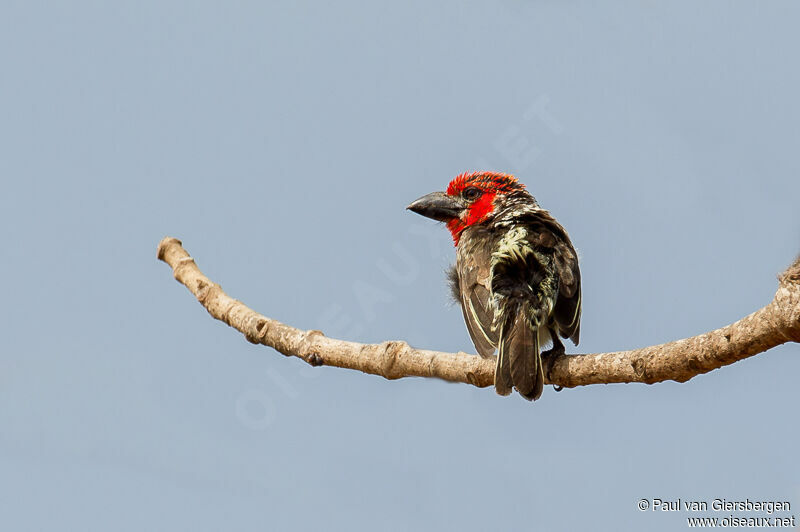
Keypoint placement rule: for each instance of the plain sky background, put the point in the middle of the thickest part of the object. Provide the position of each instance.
(281, 143)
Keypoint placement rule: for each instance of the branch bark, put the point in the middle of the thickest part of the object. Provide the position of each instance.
(772, 325)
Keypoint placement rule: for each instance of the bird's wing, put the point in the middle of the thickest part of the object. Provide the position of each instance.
(472, 291)
(567, 309)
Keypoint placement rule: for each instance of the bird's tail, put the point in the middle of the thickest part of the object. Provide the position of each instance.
(519, 361)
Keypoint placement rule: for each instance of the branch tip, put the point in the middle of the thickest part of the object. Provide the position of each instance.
(165, 243)
(792, 273)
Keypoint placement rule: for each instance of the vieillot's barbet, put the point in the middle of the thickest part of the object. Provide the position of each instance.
(516, 275)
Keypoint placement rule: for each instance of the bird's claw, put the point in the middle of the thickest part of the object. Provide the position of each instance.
(549, 358)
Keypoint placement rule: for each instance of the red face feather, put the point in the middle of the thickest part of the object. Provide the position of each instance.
(490, 184)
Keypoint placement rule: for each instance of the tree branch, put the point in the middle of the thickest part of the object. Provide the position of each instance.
(775, 324)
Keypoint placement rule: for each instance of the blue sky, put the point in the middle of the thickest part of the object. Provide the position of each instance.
(281, 142)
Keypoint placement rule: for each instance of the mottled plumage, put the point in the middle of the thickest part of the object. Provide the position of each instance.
(516, 275)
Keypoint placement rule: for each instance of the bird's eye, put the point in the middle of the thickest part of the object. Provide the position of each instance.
(472, 193)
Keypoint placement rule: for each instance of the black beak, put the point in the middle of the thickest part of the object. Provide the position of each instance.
(437, 205)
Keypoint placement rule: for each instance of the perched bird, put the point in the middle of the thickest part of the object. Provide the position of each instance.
(516, 275)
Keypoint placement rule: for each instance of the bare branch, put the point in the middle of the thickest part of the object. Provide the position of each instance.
(775, 324)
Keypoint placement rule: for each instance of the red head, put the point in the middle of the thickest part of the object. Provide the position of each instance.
(470, 199)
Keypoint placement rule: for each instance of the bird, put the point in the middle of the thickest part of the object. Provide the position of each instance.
(516, 275)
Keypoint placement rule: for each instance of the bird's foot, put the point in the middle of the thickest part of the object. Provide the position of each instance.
(549, 358)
